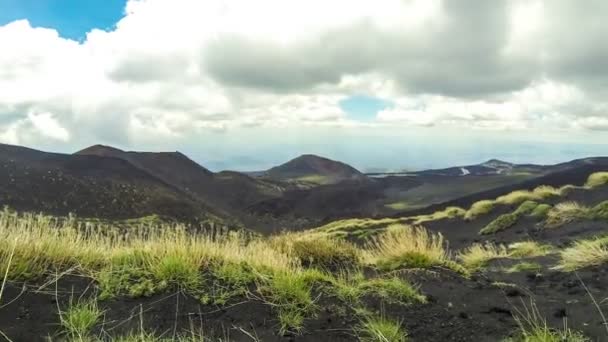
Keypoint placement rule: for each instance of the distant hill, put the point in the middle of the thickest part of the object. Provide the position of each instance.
(227, 192)
(315, 169)
(89, 186)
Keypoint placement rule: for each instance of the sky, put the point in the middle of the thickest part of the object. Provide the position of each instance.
(245, 85)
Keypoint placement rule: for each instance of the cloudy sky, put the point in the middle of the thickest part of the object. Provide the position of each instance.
(244, 84)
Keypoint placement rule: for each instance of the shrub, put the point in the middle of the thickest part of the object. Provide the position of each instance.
(477, 256)
(597, 179)
(406, 247)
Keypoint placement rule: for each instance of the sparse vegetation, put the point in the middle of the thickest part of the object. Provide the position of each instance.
(533, 328)
(541, 211)
(567, 212)
(381, 329)
(525, 267)
(79, 319)
(527, 249)
(403, 246)
(479, 208)
(320, 250)
(584, 253)
(477, 256)
(597, 179)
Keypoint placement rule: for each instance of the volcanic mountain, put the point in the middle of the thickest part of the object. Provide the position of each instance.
(90, 186)
(314, 169)
(228, 192)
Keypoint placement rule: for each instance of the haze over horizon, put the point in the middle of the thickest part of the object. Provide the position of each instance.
(242, 85)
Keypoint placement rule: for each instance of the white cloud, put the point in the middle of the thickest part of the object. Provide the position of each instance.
(175, 69)
(48, 126)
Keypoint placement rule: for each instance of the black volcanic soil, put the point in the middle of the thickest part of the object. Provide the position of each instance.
(459, 309)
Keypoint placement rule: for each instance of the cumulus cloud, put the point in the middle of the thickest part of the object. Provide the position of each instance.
(180, 68)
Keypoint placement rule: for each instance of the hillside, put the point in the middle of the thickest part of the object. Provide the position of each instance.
(226, 192)
(309, 168)
(530, 263)
(89, 186)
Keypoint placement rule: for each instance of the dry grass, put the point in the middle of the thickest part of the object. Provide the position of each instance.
(478, 255)
(584, 253)
(597, 179)
(529, 249)
(479, 208)
(565, 212)
(406, 246)
(316, 249)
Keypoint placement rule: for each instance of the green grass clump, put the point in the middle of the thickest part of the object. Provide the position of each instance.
(541, 211)
(381, 329)
(291, 295)
(502, 222)
(79, 319)
(584, 253)
(479, 208)
(525, 267)
(526, 208)
(127, 274)
(179, 271)
(506, 221)
(597, 179)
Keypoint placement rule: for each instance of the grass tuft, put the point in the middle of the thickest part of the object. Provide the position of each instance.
(597, 179)
(477, 256)
(403, 246)
(533, 328)
(528, 249)
(79, 319)
(479, 208)
(584, 253)
(381, 329)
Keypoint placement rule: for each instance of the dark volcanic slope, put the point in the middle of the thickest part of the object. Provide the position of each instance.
(88, 185)
(574, 172)
(227, 192)
(309, 166)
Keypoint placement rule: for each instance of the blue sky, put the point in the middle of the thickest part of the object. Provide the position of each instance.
(71, 18)
(363, 107)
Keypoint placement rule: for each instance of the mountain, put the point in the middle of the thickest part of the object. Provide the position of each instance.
(310, 168)
(227, 192)
(89, 186)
